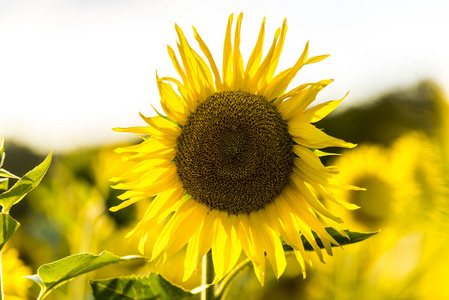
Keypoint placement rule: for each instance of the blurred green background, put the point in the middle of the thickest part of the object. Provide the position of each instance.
(402, 159)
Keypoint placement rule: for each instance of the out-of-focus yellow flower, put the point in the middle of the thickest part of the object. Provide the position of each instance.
(230, 167)
(418, 164)
(107, 164)
(407, 198)
(369, 167)
(388, 266)
(396, 264)
(401, 181)
(13, 269)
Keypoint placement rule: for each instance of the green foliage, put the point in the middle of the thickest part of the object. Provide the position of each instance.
(3, 184)
(7, 228)
(25, 185)
(384, 119)
(4, 175)
(4, 178)
(354, 237)
(55, 274)
(152, 286)
(2, 151)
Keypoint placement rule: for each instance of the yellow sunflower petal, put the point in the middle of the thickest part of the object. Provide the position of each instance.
(270, 242)
(227, 56)
(199, 245)
(164, 203)
(125, 204)
(308, 218)
(171, 102)
(281, 82)
(329, 196)
(162, 125)
(309, 136)
(237, 63)
(255, 58)
(301, 100)
(312, 200)
(190, 100)
(295, 92)
(276, 54)
(251, 245)
(291, 234)
(273, 242)
(198, 74)
(230, 257)
(319, 111)
(137, 130)
(307, 222)
(261, 72)
(176, 63)
(166, 237)
(185, 229)
(306, 155)
(210, 59)
(316, 59)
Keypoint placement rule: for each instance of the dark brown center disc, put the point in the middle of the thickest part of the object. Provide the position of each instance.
(235, 153)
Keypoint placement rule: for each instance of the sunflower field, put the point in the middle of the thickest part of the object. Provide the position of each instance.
(240, 188)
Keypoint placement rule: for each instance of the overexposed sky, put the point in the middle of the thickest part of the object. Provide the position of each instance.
(71, 70)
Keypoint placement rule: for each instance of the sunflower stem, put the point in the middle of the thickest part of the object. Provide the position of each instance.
(208, 277)
(223, 289)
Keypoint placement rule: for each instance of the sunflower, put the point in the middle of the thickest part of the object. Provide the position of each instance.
(233, 164)
(370, 167)
(419, 160)
(14, 271)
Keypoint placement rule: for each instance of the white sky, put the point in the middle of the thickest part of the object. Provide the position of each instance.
(71, 70)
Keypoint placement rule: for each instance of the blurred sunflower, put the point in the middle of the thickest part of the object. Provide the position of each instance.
(231, 166)
(406, 196)
(418, 160)
(13, 272)
(370, 167)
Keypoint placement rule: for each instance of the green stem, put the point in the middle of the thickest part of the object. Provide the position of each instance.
(208, 277)
(224, 286)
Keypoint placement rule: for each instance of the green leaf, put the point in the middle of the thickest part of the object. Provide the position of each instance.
(354, 237)
(25, 185)
(2, 151)
(55, 274)
(7, 174)
(4, 184)
(7, 228)
(148, 287)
